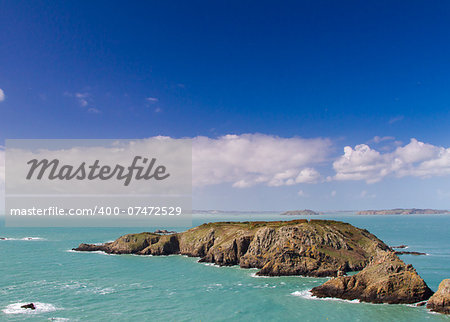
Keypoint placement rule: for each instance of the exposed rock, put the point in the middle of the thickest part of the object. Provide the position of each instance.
(164, 231)
(401, 211)
(401, 246)
(410, 253)
(305, 212)
(386, 279)
(29, 306)
(440, 301)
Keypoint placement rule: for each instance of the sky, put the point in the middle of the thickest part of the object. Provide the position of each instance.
(291, 105)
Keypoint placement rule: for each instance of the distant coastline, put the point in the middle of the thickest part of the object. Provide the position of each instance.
(403, 211)
(305, 212)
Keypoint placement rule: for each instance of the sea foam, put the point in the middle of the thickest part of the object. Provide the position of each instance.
(306, 294)
(23, 238)
(16, 308)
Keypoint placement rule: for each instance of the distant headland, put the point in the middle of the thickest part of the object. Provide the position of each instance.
(403, 211)
(305, 212)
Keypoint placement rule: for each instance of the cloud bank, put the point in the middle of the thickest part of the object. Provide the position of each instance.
(255, 159)
(415, 159)
(250, 159)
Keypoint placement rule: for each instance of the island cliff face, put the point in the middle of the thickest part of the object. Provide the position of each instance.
(300, 247)
(440, 301)
(386, 279)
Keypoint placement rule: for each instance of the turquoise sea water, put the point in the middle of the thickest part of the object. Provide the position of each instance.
(99, 287)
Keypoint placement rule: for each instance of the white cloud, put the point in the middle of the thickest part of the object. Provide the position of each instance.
(378, 139)
(301, 193)
(256, 159)
(82, 98)
(416, 159)
(152, 99)
(308, 175)
(2, 95)
(250, 159)
(396, 119)
(94, 110)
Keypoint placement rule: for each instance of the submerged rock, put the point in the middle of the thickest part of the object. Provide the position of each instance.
(386, 279)
(440, 301)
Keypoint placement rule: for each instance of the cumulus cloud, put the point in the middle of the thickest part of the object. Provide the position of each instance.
(2, 95)
(250, 159)
(416, 159)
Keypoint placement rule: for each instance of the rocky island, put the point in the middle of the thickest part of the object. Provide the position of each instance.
(305, 212)
(386, 279)
(440, 301)
(402, 211)
(318, 248)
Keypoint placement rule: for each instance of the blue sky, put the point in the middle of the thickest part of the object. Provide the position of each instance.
(343, 71)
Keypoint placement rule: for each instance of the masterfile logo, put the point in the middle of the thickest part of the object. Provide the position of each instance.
(54, 171)
(98, 182)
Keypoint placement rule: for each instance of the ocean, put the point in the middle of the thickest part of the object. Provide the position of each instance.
(37, 265)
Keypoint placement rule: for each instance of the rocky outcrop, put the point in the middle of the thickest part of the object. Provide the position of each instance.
(30, 306)
(440, 301)
(386, 279)
(400, 246)
(316, 248)
(409, 253)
